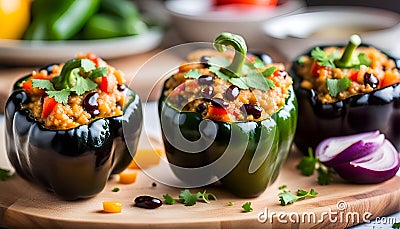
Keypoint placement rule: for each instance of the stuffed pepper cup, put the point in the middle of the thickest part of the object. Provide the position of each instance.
(229, 117)
(64, 126)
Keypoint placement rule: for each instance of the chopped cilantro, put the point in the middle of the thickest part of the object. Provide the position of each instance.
(59, 96)
(282, 187)
(362, 60)
(87, 65)
(308, 164)
(82, 85)
(43, 84)
(230, 203)
(116, 189)
(98, 72)
(269, 71)
(5, 174)
(168, 199)
(239, 82)
(323, 59)
(396, 225)
(188, 198)
(193, 74)
(217, 71)
(287, 197)
(335, 86)
(256, 80)
(247, 207)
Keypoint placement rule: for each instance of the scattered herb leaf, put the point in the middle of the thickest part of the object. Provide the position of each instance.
(43, 84)
(269, 71)
(282, 187)
(396, 225)
(193, 74)
(308, 164)
(116, 189)
(168, 199)
(256, 80)
(230, 204)
(188, 198)
(335, 86)
(287, 197)
(258, 63)
(5, 174)
(98, 72)
(323, 59)
(247, 207)
(362, 60)
(87, 65)
(217, 71)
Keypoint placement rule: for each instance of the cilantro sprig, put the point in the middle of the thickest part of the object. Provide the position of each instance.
(324, 59)
(396, 225)
(309, 164)
(335, 86)
(190, 199)
(286, 197)
(5, 174)
(76, 76)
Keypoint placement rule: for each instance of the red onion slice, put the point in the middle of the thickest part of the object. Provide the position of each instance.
(338, 150)
(375, 167)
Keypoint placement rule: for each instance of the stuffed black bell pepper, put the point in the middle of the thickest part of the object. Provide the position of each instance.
(229, 116)
(64, 126)
(344, 91)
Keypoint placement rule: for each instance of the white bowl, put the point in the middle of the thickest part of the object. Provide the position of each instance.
(296, 33)
(196, 20)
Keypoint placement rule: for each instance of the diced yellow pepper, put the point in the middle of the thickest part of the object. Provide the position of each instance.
(112, 207)
(127, 177)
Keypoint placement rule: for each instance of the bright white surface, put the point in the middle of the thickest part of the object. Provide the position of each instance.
(45, 52)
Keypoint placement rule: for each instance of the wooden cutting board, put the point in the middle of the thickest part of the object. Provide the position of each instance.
(23, 205)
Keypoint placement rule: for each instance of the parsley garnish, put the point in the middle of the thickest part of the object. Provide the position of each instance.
(168, 199)
(396, 225)
(217, 71)
(5, 174)
(282, 187)
(247, 207)
(335, 86)
(308, 164)
(239, 82)
(324, 59)
(193, 74)
(287, 197)
(70, 80)
(116, 189)
(362, 60)
(188, 198)
(230, 203)
(269, 71)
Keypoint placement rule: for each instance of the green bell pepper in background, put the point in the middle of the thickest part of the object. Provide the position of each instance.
(59, 20)
(261, 147)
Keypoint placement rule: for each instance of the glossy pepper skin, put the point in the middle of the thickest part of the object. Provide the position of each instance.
(268, 141)
(74, 163)
(377, 110)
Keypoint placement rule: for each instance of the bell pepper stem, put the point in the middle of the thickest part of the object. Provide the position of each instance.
(346, 60)
(238, 43)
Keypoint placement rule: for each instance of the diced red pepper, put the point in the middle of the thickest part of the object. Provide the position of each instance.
(48, 106)
(354, 75)
(27, 85)
(107, 84)
(218, 114)
(390, 79)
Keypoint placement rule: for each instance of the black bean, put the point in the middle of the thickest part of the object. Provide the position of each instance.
(383, 68)
(371, 80)
(90, 104)
(252, 109)
(148, 202)
(232, 93)
(204, 61)
(218, 102)
(200, 108)
(207, 92)
(206, 80)
(121, 87)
